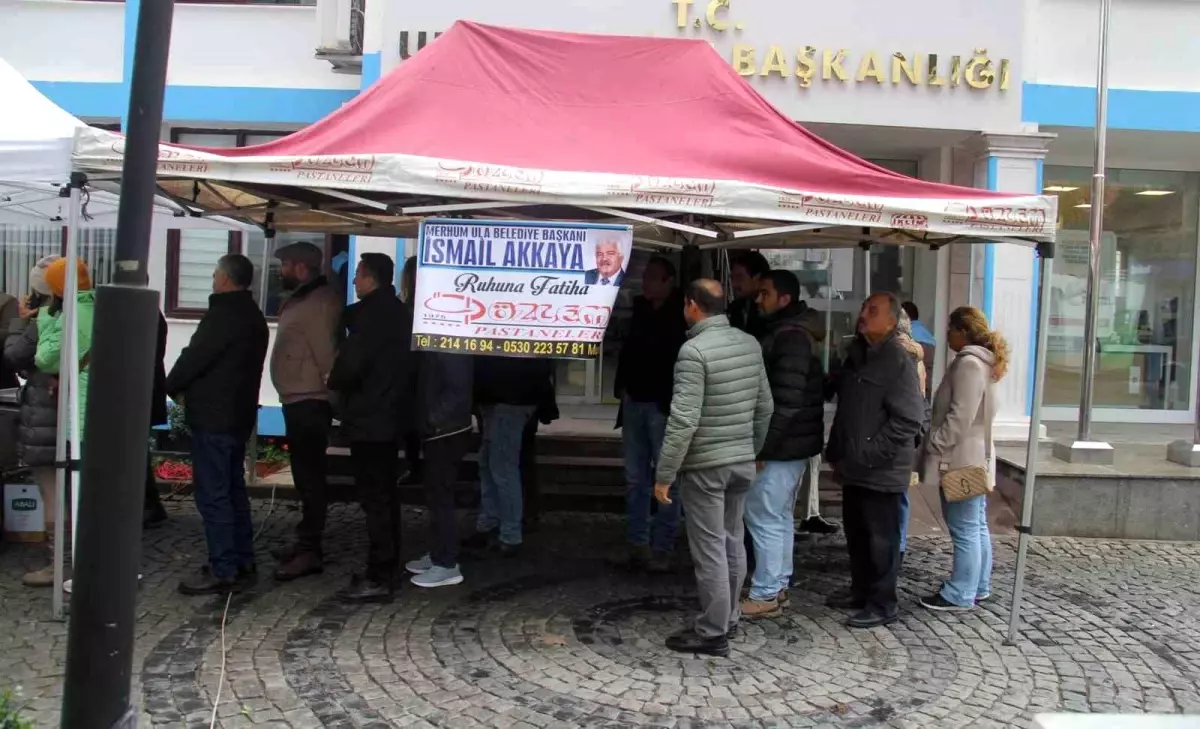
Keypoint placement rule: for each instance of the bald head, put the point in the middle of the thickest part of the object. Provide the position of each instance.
(704, 298)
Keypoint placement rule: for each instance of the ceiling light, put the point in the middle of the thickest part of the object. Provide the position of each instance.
(1060, 188)
(1156, 193)
(1084, 205)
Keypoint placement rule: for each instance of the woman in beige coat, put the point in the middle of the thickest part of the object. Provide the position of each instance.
(959, 430)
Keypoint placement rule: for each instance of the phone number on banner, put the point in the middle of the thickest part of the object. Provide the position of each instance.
(505, 347)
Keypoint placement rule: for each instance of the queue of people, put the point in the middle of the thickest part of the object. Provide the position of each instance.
(722, 417)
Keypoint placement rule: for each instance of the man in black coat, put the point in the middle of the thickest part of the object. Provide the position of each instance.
(217, 379)
(872, 447)
(643, 383)
(371, 378)
(444, 405)
(745, 272)
(791, 354)
(153, 513)
(508, 391)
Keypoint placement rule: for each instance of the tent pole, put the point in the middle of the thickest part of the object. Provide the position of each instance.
(71, 363)
(1025, 530)
(62, 455)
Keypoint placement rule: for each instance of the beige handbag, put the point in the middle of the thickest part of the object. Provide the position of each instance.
(961, 484)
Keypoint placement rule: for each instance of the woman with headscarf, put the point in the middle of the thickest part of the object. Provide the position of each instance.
(37, 430)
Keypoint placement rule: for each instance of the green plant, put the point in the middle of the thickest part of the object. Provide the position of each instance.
(270, 451)
(175, 422)
(10, 713)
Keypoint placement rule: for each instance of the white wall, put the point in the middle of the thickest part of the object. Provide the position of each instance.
(249, 45)
(944, 27)
(1153, 44)
(63, 40)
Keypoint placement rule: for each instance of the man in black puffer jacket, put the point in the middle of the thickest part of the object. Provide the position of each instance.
(371, 377)
(791, 353)
(872, 447)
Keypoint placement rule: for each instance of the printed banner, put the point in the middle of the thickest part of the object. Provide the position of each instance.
(517, 289)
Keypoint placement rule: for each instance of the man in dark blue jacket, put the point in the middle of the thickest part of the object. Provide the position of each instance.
(216, 379)
(872, 447)
(370, 376)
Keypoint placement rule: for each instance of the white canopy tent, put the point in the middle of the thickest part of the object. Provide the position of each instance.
(39, 185)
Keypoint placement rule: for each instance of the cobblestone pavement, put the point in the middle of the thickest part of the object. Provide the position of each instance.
(556, 638)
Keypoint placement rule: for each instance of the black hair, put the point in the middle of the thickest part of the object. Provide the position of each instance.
(664, 263)
(785, 283)
(380, 267)
(238, 268)
(754, 262)
(911, 309)
(707, 295)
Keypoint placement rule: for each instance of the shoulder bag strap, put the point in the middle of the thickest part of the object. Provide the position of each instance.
(987, 423)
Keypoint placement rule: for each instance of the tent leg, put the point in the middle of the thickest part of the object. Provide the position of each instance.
(1025, 531)
(263, 278)
(65, 450)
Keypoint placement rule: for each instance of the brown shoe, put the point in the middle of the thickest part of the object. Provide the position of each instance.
(753, 609)
(301, 565)
(40, 578)
(782, 598)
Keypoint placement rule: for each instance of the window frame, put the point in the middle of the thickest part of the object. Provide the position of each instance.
(171, 307)
(239, 135)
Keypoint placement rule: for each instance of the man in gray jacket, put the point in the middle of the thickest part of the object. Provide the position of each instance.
(720, 410)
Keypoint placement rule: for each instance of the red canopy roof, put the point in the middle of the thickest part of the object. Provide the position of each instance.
(590, 103)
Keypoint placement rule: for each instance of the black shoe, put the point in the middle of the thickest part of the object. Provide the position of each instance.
(154, 517)
(660, 564)
(302, 565)
(204, 582)
(871, 619)
(634, 560)
(688, 641)
(817, 525)
(286, 553)
(942, 605)
(845, 601)
(361, 591)
(247, 575)
(508, 551)
(479, 541)
(733, 632)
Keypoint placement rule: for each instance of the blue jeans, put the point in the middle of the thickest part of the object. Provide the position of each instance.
(904, 508)
(643, 426)
(500, 497)
(219, 486)
(971, 576)
(771, 520)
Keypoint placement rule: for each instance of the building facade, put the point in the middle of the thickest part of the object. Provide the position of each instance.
(994, 95)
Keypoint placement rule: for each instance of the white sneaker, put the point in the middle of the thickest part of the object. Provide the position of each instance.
(421, 565)
(437, 576)
(67, 584)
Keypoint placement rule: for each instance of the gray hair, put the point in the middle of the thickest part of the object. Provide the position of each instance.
(904, 324)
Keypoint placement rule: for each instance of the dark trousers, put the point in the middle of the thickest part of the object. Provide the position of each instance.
(151, 501)
(441, 460)
(872, 523)
(308, 423)
(375, 471)
(412, 456)
(219, 485)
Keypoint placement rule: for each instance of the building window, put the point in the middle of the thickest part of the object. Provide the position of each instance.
(21, 246)
(223, 137)
(192, 255)
(1145, 328)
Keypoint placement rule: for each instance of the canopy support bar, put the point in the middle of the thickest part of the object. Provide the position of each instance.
(759, 232)
(653, 221)
(347, 197)
(461, 207)
(1046, 251)
(657, 243)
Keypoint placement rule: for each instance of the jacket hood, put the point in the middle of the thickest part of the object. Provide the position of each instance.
(983, 354)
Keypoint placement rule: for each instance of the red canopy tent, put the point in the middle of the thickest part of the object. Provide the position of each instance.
(487, 118)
